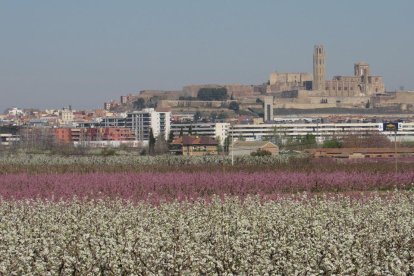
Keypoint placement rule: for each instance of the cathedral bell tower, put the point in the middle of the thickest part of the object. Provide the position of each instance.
(318, 68)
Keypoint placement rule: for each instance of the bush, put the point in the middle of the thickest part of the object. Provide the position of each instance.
(261, 152)
(234, 106)
(332, 144)
(108, 152)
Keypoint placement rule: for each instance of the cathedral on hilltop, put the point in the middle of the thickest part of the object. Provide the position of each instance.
(311, 92)
(304, 90)
(362, 83)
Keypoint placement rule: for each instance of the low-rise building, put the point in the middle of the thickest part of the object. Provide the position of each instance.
(248, 147)
(196, 145)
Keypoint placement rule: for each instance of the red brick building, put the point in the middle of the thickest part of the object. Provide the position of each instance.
(69, 135)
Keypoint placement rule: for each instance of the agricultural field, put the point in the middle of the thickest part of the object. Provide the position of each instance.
(173, 216)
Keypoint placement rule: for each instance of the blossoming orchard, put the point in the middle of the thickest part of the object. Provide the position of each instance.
(64, 216)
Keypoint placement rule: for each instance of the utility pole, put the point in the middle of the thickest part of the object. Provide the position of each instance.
(232, 145)
(395, 148)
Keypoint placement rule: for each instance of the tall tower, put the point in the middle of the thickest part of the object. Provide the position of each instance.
(363, 71)
(268, 108)
(318, 68)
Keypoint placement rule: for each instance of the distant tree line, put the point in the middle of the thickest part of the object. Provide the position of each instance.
(212, 94)
(141, 103)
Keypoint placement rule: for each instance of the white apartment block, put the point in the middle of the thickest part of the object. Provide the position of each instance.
(141, 122)
(322, 131)
(216, 130)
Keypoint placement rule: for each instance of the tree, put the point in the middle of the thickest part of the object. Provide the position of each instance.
(186, 98)
(370, 139)
(151, 142)
(219, 146)
(332, 143)
(153, 102)
(190, 130)
(213, 116)
(275, 137)
(161, 146)
(197, 116)
(171, 136)
(139, 104)
(227, 142)
(309, 141)
(222, 116)
(9, 129)
(234, 106)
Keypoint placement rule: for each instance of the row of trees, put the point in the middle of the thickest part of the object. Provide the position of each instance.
(366, 140)
(373, 139)
(42, 140)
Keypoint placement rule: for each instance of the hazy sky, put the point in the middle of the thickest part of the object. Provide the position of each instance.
(56, 53)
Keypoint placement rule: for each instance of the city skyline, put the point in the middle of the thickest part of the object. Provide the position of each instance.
(60, 54)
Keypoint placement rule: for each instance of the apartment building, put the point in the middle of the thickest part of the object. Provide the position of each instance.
(141, 122)
(216, 130)
(66, 116)
(69, 135)
(8, 139)
(63, 135)
(322, 131)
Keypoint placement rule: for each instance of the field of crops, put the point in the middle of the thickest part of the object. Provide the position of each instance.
(46, 164)
(313, 236)
(170, 186)
(70, 216)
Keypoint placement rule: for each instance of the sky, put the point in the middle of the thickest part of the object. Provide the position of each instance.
(83, 53)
